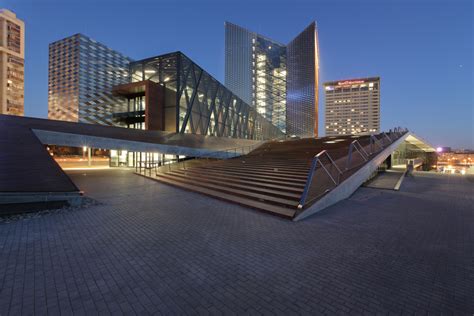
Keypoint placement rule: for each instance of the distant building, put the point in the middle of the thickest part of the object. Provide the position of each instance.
(352, 106)
(280, 81)
(82, 73)
(12, 63)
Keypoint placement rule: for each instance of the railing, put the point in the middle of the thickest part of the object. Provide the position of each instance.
(374, 141)
(355, 147)
(359, 149)
(314, 164)
(147, 166)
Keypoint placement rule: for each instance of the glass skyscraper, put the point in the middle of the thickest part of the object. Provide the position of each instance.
(256, 71)
(280, 81)
(82, 73)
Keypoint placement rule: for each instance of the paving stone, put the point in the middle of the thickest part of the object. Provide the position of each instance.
(147, 248)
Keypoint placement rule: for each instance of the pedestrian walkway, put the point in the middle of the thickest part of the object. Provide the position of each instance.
(147, 248)
(388, 180)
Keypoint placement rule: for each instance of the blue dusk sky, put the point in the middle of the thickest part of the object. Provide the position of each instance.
(422, 50)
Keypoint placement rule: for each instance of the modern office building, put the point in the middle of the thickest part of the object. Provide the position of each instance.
(12, 63)
(256, 71)
(82, 73)
(91, 83)
(352, 106)
(280, 81)
(172, 93)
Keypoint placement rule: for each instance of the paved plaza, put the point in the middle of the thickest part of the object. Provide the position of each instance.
(148, 248)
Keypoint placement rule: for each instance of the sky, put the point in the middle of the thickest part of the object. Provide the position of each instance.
(421, 49)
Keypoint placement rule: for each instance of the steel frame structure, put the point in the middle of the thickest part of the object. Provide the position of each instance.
(203, 105)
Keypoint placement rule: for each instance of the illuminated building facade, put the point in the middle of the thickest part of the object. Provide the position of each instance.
(12, 63)
(279, 81)
(82, 73)
(91, 83)
(352, 106)
(172, 93)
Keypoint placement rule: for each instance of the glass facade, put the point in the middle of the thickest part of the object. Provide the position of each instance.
(201, 104)
(302, 84)
(269, 81)
(258, 70)
(82, 73)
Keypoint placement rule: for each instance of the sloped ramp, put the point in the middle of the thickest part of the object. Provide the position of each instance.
(387, 180)
(29, 176)
(349, 185)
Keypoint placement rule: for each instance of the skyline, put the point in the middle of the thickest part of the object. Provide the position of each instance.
(430, 107)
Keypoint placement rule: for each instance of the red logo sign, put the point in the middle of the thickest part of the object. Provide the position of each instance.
(349, 82)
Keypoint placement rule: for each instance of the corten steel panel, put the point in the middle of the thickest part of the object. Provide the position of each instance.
(302, 84)
(130, 89)
(154, 110)
(170, 110)
(25, 165)
(154, 99)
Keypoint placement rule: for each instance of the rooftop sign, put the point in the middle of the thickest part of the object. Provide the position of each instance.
(349, 82)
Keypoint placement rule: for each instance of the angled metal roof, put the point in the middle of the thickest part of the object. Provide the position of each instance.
(420, 143)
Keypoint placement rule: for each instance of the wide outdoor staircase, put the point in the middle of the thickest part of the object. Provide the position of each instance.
(274, 186)
(271, 178)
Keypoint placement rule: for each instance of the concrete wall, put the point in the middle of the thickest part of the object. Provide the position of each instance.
(347, 187)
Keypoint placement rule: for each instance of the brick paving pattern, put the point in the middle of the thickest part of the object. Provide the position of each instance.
(155, 249)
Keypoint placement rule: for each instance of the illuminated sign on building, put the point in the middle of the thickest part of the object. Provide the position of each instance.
(349, 82)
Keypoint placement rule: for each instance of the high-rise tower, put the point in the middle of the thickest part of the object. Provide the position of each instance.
(352, 106)
(12, 63)
(280, 81)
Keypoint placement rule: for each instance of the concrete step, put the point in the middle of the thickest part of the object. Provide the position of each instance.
(226, 183)
(241, 193)
(259, 176)
(284, 186)
(267, 167)
(256, 171)
(273, 209)
(258, 181)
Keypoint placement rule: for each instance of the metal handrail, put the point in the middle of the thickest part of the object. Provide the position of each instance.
(373, 140)
(309, 180)
(388, 137)
(353, 145)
